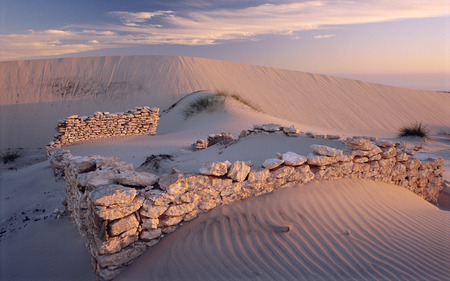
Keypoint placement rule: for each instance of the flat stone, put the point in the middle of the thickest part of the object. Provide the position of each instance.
(293, 159)
(147, 235)
(122, 257)
(272, 163)
(258, 176)
(149, 223)
(319, 160)
(152, 211)
(82, 164)
(179, 210)
(170, 221)
(132, 178)
(384, 143)
(123, 224)
(214, 168)
(173, 184)
(110, 195)
(119, 211)
(239, 171)
(326, 151)
(359, 144)
(115, 244)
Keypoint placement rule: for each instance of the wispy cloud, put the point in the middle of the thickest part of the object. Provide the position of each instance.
(207, 27)
(324, 36)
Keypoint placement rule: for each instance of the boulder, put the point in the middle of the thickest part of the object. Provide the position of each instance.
(238, 171)
(293, 159)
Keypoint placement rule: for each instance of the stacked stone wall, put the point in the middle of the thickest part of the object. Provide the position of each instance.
(139, 121)
(122, 212)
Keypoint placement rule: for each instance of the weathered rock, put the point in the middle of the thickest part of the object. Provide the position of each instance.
(359, 144)
(170, 221)
(293, 159)
(214, 168)
(115, 244)
(281, 172)
(258, 176)
(122, 257)
(231, 190)
(326, 151)
(123, 224)
(238, 171)
(147, 235)
(149, 223)
(401, 157)
(179, 210)
(200, 144)
(190, 216)
(113, 195)
(272, 163)
(151, 211)
(384, 143)
(389, 152)
(131, 178)
(119, 211)
(82, 164)
(318, 160)
(268, 127)
(173, 184)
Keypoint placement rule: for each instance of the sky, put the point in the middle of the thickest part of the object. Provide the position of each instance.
(402, 43)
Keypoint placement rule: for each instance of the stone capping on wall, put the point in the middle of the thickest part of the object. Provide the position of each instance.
(122, 212)
(138, 121)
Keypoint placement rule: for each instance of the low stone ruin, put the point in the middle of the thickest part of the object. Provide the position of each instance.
(138, 121)
(122, 212)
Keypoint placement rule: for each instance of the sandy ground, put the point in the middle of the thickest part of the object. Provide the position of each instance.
(339, 230)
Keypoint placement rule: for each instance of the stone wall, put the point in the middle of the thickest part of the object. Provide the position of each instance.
(122, 212)
(139, 121)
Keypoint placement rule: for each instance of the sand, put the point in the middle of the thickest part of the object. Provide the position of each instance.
(338, 230)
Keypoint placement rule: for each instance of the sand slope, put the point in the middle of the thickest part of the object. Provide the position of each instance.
(339, 230)
(33, 94)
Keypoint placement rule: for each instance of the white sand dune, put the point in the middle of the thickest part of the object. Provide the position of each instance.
(339, 230)
(42, 91)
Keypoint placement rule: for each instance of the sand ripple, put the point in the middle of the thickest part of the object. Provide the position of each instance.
(339, 230)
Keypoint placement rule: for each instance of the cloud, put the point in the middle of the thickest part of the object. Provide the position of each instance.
(324, 36)
(213, 26)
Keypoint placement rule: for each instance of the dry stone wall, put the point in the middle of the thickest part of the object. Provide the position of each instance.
(122, 212)
(139, 121)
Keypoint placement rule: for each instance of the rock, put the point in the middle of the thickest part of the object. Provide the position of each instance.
(115, 244)
(132, 178)
(258, 176)
(148, 235)
(384, 143)
(214, 168)
(272, 163)
(190, 216)
(293, 159)
(149, 223)
(200, 144)
(119, 211)
(326, 151)
(122, 257)
(123, 224)
(150, 211)
(318, 160)
(401, 157)
(388, 152)
(239, 171)
(173, 184)
(268, 127)
(113, 195)
(333, 137)
(290, 130)
(282, 172)
(359, 144)
(179, 210)
(170, 221)
(360, 160)
(82, 164)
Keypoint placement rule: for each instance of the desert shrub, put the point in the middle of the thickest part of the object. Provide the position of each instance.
(10, 155)
(237, 97)
(416, 129)
(208, 103)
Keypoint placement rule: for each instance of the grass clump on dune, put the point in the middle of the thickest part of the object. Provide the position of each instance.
(208, 103)
(235, 96)
(416, 130)
(10, 156)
